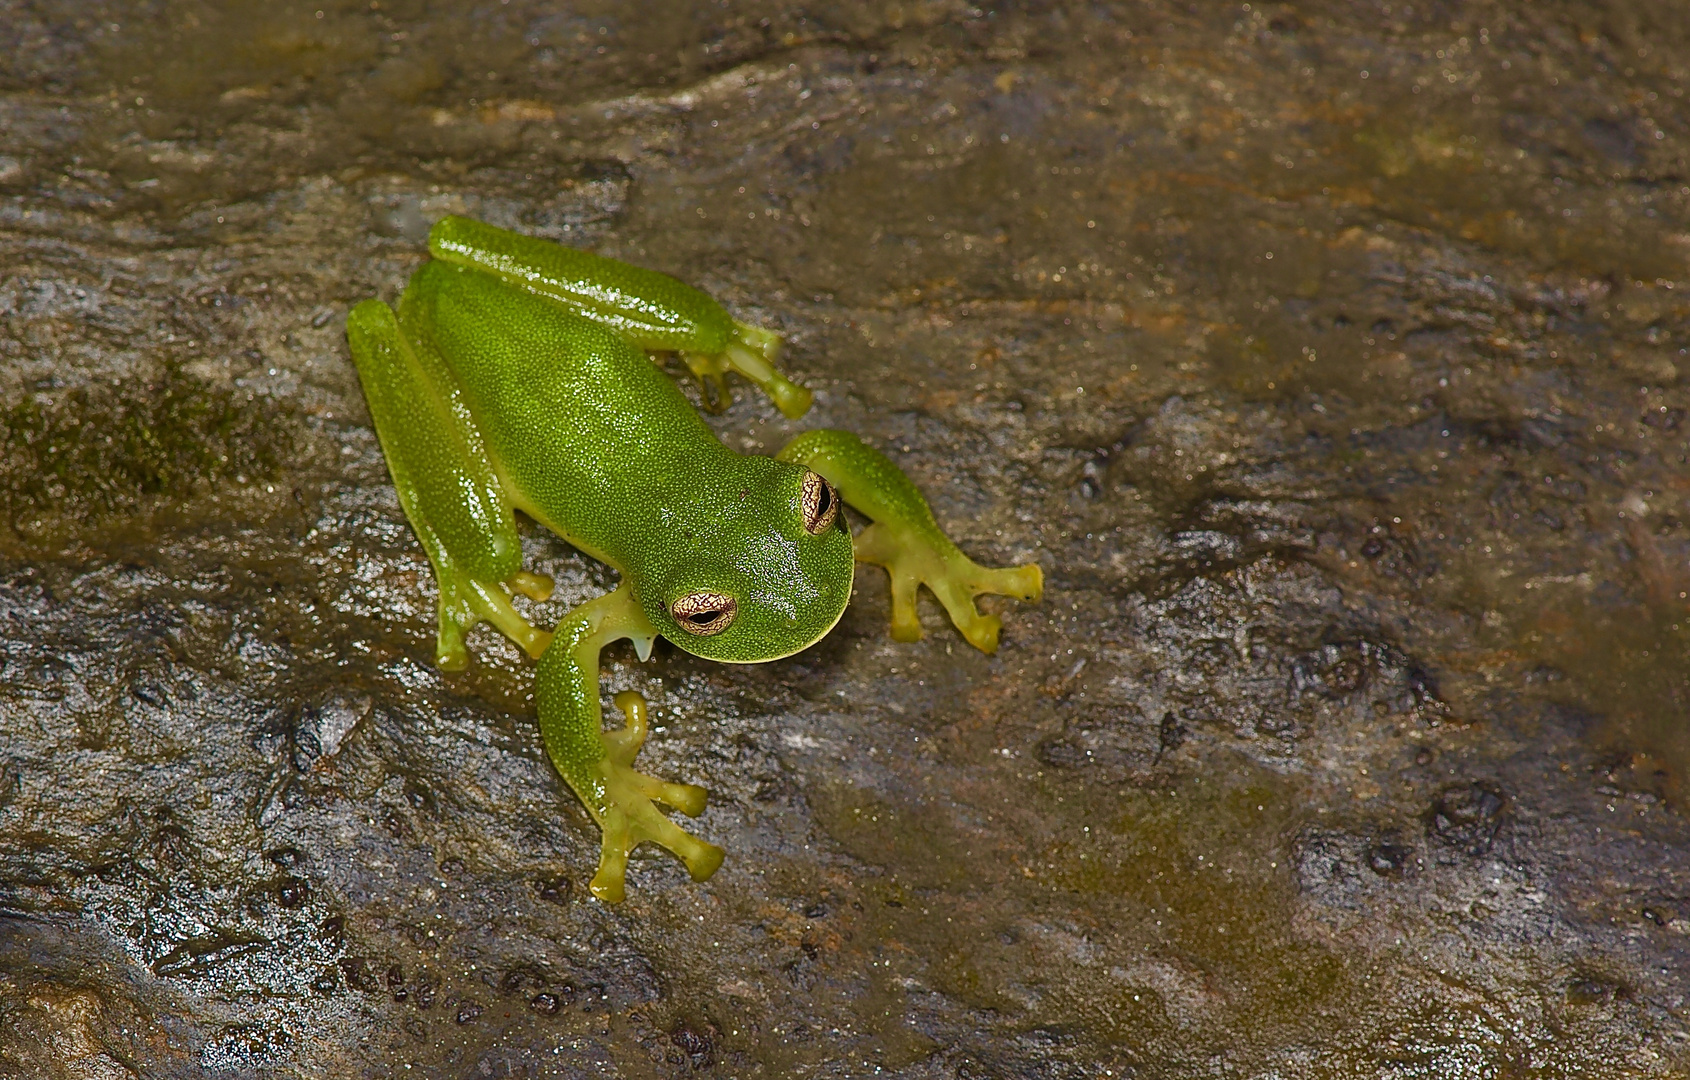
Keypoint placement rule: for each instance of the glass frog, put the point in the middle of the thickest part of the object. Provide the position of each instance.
(515, 375)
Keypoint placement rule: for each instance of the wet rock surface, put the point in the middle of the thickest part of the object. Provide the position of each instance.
(1327, 356)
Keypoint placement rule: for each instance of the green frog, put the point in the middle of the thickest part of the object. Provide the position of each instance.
(517, 375)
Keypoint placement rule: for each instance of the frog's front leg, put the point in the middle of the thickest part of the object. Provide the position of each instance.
(446, 485)
(906, 540)
(653, 310)
(598, 764)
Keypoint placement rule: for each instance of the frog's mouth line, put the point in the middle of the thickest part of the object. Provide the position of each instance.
(794, 652)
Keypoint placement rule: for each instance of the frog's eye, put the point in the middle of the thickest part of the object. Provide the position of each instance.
(705, 613)
(820, 504)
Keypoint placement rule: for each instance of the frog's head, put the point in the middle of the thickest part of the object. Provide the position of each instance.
(762, 570)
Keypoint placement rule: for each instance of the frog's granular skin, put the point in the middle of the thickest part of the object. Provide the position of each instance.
(1327, 356)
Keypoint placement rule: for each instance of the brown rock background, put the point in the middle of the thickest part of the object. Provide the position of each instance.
(1327, 356)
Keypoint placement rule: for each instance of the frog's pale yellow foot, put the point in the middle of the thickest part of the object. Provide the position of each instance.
(954, 578)
(628, 817)
(465, 602)
(753, 356)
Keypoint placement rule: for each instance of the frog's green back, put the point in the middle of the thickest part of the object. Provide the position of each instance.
(590, 437)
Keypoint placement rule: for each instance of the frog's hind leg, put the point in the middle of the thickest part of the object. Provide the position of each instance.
(653, 310)
(908, 542)
(446, 485)
(752, 353)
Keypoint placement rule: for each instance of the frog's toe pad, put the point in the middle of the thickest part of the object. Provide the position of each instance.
(450, 654)
(689, 799)
(709, 860)
(1021, 582)
(534, 586)
(980, 631)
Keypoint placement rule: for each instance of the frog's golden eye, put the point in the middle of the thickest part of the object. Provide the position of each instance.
(820, 504)
(705, 613)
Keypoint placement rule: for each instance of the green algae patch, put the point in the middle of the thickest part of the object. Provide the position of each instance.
(83, 456)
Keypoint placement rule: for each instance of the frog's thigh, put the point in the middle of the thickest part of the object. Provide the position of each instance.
(653, 310)
(445, 483)
(907, 541)
(598, 764)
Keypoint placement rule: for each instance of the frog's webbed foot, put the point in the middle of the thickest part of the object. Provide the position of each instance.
(628, 816)
(752, 354)
(913, 560)
(465, 601)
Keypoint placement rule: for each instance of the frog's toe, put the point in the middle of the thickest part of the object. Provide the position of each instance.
(712, 375)
(764, 342)
(536, 587)
(1021, 582)
(689, 799)
(705, 861)
(906, 623)
(607, 883)
(980, 631)
(717, 396)
(621, 746)
(756, 362)
(450, 654)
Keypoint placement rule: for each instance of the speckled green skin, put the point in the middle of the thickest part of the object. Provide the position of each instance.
(512, 378)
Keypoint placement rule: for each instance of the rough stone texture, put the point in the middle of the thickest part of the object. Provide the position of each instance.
(1326, 355)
